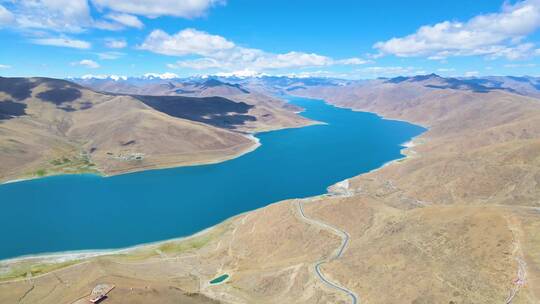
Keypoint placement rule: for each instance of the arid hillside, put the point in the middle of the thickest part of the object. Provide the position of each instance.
(457, 221)
(272, 113)
(50, 126)
(467, 194)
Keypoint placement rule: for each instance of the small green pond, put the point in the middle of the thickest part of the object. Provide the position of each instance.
(220, 279)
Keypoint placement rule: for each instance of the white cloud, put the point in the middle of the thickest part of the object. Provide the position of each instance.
(110, 55)
(216, 52)
(87, 63)
(495, 35)
(375, 56)
(240, 73)
(6, 17)
(126, 20)
(353, 61)
(197, 64)
(519, 51)
(520, 65)
(320, 74)
(443, 70)
(166, 75)
(63, 42)
(108, 25)
(471, 73)
(390, 71)
(56, 15)
(74, 16)
(5, 66)
(156, 8)
(188, 41)
(115, 43)
(291, 60)
(102, 77)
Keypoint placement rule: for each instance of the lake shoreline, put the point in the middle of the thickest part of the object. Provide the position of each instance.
(57, 257)
(82, 255)
(66, 256)
(251, 136)
(255, 143)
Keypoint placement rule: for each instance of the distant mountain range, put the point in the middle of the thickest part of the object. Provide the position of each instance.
(171, 84)
(158, 85)
(526, 85)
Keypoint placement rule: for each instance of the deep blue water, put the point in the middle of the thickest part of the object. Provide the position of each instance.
(74, 212)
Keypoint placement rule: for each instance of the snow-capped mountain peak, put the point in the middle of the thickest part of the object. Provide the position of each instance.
(104, 77)
(160, 76)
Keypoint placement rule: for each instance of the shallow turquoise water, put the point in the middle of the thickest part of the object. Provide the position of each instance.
(74, 212)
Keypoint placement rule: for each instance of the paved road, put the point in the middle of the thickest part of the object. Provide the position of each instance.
(344, 242)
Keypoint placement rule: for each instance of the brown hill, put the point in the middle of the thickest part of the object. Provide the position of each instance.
(50, 126)
(271, 113)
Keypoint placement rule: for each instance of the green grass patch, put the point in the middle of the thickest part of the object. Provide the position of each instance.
(186, 245)
(195, 243)
(38, 269)
(61, 161)
(41, 172)
(138, 255)
(71, 165)
(21, 271)
(172, 247)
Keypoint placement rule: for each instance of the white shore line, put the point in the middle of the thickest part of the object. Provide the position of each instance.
(409, 144)
(406, 145)
(65, 256)
(15, 181)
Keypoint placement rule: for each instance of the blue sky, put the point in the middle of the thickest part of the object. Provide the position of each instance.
(349, 39)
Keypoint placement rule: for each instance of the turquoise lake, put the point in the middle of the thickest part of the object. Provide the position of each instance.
(79, 212)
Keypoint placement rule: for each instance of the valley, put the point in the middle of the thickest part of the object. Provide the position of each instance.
(269, 152)
(454, 222)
